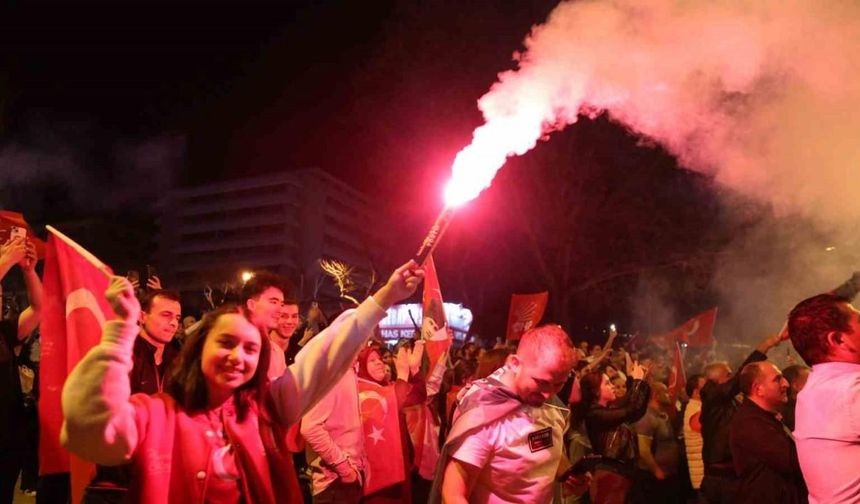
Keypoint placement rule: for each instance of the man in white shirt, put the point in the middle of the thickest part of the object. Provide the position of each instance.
(825, 331)
(505, 443)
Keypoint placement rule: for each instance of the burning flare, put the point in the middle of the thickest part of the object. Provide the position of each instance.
(753, 92)
(475, 166)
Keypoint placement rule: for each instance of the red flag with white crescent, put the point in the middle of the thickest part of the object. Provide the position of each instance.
(699, 330)
(381, 423)
(526, 312)
(677, 377)
(424, 434)
(74, 312)
(696, 332)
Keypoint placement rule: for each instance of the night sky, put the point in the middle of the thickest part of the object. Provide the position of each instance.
(381, 94)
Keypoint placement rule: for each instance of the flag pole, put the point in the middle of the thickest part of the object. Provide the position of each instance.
(86, 254)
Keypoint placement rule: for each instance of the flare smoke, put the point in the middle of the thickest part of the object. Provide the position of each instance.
(764, 96)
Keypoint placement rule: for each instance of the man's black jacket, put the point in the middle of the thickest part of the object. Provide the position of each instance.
(145, 376)
(718, 408)
(765, 458)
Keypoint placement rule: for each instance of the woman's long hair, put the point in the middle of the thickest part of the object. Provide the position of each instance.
(187, 385)
(590, 387)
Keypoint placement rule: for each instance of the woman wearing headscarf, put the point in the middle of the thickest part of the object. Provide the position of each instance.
(408, 389)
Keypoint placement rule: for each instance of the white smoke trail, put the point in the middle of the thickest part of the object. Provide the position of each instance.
(762, 95)
(121, 174)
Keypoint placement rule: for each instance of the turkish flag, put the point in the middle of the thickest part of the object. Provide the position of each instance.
(434, 326)
(424, 434)
(10, 219)
(74, 313)
(380, 420)
(677, 377)
(525, 313)
(696, 332)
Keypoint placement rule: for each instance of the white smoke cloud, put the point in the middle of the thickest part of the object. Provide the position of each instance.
(20, 166)
(65, 160)
(762, 95)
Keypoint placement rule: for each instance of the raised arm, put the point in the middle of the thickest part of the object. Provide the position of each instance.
(726, 391)
(99, 423)
(607, 348)
(11, 253)
(848, 290)
(325, 358)
(30, 317)
(631, 409)
(409, 387)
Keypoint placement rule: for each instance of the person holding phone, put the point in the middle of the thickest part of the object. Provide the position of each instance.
(21, 252)
(153, 282)
(608, 422)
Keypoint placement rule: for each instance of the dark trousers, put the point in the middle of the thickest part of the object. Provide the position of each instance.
(609, 487)
(719, 489)
(10, 465)
(339, 493)
(30, 450)
(420, 488)
(667, 491)
(54, 489)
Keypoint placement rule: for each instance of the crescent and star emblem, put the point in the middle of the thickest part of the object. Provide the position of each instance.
(84, 298)
(371, 395)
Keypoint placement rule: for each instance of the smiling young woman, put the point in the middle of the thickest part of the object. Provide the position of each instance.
(216, 433)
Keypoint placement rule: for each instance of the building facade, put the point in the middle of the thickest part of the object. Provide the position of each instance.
(285, 223)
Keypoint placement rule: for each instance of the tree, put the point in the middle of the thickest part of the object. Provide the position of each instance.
(595, 209)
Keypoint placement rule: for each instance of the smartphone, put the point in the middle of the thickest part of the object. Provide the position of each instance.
(151, 272)
(133, 276)
(17, 232)
(612, 327)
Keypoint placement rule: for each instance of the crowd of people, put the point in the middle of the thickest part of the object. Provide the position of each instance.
(256, 403)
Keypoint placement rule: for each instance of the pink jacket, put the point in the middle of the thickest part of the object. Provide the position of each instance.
(167, 446)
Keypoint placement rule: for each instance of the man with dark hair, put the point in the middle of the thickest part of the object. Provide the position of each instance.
(280, 338)
(263, 299)
(825, 331)
(506, 440)
(796, 374)
(718, 407)
(763, 451)
(156, 348)
(153, 355)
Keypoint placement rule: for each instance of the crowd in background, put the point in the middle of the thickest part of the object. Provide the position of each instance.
(642, 429)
